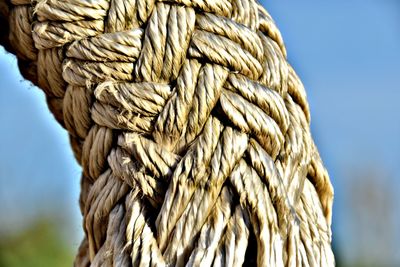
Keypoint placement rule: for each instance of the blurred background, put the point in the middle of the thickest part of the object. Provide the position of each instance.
(347, 53)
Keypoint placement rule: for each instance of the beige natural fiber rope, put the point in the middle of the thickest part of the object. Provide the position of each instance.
(191, 128)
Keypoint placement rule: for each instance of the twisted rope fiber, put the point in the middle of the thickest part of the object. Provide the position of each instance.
(191, 128)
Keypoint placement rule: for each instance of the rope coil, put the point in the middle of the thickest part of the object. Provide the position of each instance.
(191, 128)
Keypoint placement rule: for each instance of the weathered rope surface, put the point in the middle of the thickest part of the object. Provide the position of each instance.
(191, 128)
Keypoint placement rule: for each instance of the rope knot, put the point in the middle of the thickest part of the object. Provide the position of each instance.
(191, 128)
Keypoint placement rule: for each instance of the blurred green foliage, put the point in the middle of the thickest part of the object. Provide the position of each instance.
(38, 246)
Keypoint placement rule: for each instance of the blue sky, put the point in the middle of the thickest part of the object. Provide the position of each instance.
(346, 52)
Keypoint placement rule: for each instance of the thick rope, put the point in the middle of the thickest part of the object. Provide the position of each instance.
(191, 128)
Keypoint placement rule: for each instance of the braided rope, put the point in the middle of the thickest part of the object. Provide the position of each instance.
(191, 128)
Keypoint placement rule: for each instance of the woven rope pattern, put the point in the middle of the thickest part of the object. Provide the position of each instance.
(191, 128)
